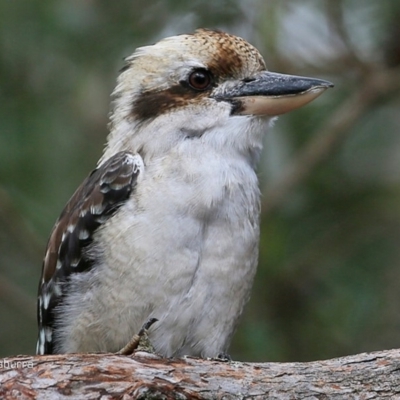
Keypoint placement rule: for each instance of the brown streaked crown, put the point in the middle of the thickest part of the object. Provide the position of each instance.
(228, 56)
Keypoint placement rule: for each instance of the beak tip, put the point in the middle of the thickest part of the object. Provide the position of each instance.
(329, 84)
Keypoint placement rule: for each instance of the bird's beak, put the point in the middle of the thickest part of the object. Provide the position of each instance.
(269, 93)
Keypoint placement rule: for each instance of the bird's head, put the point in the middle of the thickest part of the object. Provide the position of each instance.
(208, 85)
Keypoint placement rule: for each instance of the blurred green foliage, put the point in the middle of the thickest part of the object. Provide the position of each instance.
(328, 274)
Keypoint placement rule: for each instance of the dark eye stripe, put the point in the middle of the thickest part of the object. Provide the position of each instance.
(151, 104)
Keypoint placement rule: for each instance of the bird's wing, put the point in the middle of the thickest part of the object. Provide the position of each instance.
(95, 201)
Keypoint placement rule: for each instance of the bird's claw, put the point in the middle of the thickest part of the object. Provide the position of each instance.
(139, 341)
(223, 357)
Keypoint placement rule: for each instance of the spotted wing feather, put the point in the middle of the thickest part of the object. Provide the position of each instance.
(95, 201)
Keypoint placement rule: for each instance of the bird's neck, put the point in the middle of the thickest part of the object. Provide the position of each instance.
(236, 137)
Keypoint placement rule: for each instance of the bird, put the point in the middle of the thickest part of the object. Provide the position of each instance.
(166, 227)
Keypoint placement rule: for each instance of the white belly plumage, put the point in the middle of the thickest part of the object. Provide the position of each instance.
(194, 259)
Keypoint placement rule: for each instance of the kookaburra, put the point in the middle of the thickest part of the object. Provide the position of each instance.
(167, 225)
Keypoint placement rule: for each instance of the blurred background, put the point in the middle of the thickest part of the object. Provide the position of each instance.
(327, 283)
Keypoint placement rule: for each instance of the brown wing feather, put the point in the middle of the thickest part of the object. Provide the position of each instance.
(94, 202)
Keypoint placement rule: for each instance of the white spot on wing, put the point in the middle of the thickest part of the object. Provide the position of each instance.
(39, 347)
(57, 289)
(48, 333)
(96, 209)
(74, 263)
(116, 186)
(101, 219)
(83, 234)
(41, 342)
(105, 189)
(46, 300)
(138, 161)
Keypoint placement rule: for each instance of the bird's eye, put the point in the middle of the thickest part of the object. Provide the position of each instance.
(200, 79)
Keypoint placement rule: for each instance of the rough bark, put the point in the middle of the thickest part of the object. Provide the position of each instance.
(146, 376)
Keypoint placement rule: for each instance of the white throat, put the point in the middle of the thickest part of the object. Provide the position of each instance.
(212, 127)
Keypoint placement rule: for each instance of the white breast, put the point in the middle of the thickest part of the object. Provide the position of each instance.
(186, 252)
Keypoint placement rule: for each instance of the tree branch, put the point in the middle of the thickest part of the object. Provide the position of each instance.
(145, 376)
